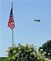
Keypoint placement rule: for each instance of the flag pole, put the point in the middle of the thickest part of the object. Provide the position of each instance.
(12, 39)
(12, 30)
(11, 24)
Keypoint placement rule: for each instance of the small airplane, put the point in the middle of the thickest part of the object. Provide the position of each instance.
(37, 20)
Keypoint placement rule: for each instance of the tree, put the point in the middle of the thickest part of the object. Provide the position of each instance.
(46, 49)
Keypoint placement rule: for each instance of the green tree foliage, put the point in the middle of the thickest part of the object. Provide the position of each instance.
(46, 49)
(22, 53)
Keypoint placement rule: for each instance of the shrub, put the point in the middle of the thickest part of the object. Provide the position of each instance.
(22, 53)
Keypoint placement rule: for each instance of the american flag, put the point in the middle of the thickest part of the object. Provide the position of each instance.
(11, 19)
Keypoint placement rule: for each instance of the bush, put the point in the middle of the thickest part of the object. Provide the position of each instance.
(25, 53)
(22, 53)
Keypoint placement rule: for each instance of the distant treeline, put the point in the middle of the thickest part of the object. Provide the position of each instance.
(3, 58)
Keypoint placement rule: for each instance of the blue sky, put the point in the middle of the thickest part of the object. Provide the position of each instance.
(26, 31)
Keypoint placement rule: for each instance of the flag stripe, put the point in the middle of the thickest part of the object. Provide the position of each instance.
(11, 23)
